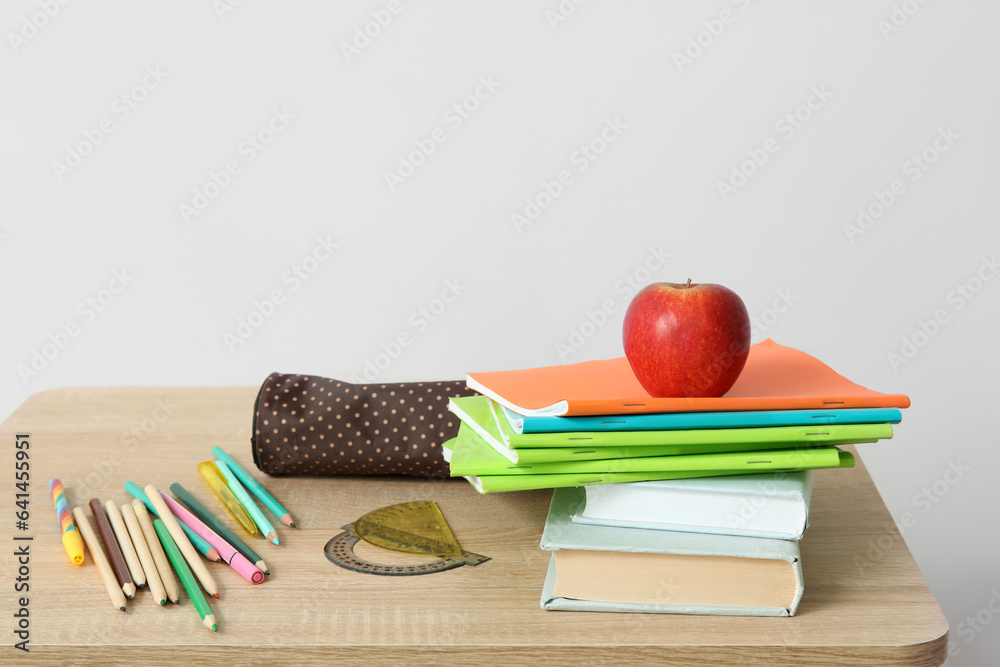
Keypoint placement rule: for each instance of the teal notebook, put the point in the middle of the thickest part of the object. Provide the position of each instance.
(468, 454)
(666, 421)
(600, 568)
(482, 415)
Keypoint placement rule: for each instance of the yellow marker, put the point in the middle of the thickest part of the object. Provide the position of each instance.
(221, 489)
(71, 539)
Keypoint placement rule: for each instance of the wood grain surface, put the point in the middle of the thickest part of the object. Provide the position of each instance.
(865, 601)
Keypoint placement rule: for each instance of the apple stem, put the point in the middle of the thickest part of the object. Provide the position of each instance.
(689, 283)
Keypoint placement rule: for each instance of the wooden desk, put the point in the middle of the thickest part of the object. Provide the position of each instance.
(865, 602)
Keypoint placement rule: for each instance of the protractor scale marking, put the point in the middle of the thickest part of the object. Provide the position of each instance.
(413, 528)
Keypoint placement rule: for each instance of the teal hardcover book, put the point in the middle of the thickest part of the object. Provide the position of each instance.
(602, 568)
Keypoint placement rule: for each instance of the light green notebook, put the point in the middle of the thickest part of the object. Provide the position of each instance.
(468, 454)
(483, 416)
(499, 483)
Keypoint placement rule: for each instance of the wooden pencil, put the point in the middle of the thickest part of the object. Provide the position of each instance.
(125, 544)
(216, 524)
(144, 554)
(94, 545)
(197, 566)
(114, 552)
(159, 557)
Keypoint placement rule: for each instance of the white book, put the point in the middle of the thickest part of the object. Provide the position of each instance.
(773, 505)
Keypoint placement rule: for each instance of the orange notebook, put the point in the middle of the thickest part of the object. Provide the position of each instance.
(775, 377)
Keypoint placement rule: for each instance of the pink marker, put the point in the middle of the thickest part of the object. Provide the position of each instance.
(236, 560)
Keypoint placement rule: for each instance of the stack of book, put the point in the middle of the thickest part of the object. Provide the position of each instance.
(591, 425)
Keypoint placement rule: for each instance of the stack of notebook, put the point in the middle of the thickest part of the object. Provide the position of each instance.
(592, 423)
(677, 505)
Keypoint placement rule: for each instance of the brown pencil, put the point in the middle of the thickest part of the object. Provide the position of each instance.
(111, 545)
(117, 522)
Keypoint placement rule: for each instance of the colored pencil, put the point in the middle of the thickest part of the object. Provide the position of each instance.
(144, 554)
(184, 572)
(94, 545)
(197, 541)
(125, 544)
(72, 542)
(170, 521)
(216, 524)
(218, 485)
(230, 555)
(114, 552)
(159, 557)
(248, 504)
(253, 485)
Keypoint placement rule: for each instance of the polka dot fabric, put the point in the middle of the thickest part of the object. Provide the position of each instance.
(307, 425)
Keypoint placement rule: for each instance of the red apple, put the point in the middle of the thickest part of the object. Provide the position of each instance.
(686, 340)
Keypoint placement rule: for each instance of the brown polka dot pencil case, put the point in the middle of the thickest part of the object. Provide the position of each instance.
(308, 425)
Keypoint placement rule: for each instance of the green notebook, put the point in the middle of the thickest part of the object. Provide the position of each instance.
(499, 483)
(468, 454)
(484, 417)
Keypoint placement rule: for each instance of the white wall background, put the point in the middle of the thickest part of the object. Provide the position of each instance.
(895, 74)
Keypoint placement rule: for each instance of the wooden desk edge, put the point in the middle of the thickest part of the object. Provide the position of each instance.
(926, 654)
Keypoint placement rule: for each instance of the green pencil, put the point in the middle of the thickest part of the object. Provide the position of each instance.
(184, 573)
(276, 508)
(216, 524)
